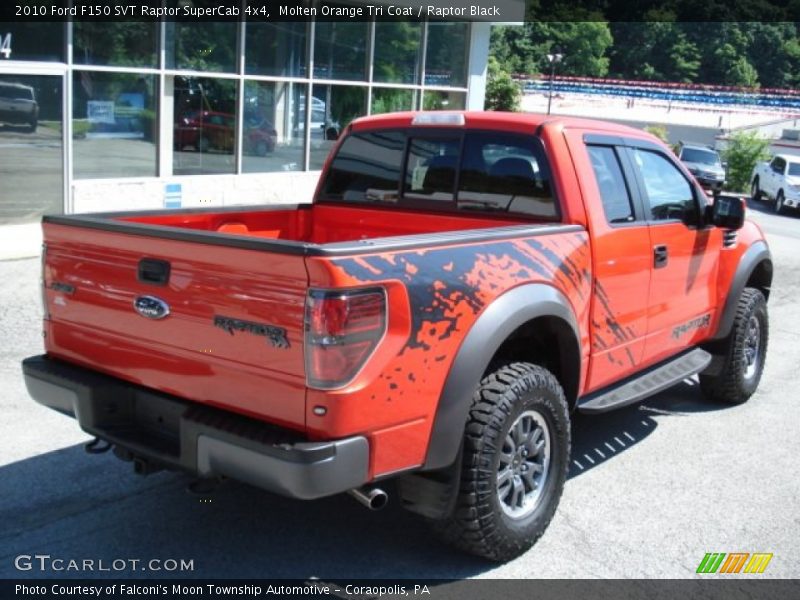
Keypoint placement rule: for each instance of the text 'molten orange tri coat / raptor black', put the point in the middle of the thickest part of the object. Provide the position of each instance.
(460, 285)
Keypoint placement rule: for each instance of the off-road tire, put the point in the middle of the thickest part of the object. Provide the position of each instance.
(478, 524)
(733, 385)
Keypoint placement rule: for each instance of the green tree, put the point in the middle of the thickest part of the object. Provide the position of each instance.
(660, 131)
(502, 92)
(655, 50)
(584, 45)
(744, 151)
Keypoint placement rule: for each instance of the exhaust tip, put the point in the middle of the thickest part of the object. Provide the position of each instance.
(372, 498)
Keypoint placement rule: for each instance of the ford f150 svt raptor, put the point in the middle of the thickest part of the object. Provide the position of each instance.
(460, 285)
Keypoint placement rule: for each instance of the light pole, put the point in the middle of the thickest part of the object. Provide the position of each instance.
(553, 59)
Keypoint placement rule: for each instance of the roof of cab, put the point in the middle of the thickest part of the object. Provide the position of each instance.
(504, 120)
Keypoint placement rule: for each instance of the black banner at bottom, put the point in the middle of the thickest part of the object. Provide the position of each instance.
(729, 588)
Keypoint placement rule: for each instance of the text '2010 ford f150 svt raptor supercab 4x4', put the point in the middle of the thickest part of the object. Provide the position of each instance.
(461, 284)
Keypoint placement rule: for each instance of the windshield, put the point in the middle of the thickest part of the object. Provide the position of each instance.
(793, 170)
(703, 157)
(16, 92)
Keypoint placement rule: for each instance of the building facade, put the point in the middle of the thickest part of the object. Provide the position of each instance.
(136, 115)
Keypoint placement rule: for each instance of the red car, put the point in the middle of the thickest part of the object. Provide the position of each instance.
(207, 130)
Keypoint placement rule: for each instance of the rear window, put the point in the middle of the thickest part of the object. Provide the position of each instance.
(367, 168)
(484, 171)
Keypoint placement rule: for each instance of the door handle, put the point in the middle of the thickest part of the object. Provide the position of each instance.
(660, 256)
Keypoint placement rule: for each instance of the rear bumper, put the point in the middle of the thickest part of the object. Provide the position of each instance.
(173, 433)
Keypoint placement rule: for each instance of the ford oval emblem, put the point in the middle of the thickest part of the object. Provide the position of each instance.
(151, 307)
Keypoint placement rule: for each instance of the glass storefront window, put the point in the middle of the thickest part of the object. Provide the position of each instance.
(32, 41)
(274, 122)
(204, 134)
(392, 100)
(125, 44)
(435, 100)
(332, 109)
(201, 46)
(114, 125)
(275, 49)
(397, 51)
(446, 56)
(340, 50)
(31, 147)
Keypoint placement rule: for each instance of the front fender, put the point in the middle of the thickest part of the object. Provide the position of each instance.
(753, 256)
(497, 322)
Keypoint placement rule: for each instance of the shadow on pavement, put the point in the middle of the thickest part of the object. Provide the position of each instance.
(71, 505)
(598, 438)
(768, 207)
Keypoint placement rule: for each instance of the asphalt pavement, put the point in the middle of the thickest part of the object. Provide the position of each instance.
(653, 487)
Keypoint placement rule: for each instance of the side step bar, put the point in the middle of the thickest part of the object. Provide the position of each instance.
(650, 382)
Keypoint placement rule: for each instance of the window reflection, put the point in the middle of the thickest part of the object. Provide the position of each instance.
(276, 49)
(397, 52)
(392, 100)
(124, 44)
(435, 100)
(114, 125)
(31, 147)
(32, 40)
(273, 126)
(332, 109)
(201, 46)
(204, 135)
(340, 50)
(446, 57)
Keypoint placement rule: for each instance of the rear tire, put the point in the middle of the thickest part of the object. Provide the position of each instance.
(515, 461)
(745, 352)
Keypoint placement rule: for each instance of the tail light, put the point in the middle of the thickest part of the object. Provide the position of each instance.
(342, 331)
(43, 283)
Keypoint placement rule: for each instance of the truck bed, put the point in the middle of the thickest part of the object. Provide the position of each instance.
(230, 279)
(304, 229)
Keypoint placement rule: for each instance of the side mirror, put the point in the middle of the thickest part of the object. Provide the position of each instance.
(727, 212)
(725, 165)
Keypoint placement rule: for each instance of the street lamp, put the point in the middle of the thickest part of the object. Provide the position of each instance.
(553, 59)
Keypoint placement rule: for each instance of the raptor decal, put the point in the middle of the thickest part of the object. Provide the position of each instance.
(448, 288)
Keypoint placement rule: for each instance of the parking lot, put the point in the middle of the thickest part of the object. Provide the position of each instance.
(653, 487)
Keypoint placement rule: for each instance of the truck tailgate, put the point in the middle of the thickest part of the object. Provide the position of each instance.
(233, 335)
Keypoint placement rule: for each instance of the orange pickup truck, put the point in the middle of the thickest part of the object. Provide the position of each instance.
(461, 284)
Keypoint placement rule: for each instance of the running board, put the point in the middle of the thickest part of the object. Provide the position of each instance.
(650, 382)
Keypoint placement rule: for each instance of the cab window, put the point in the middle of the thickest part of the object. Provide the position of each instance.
(610, 181)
